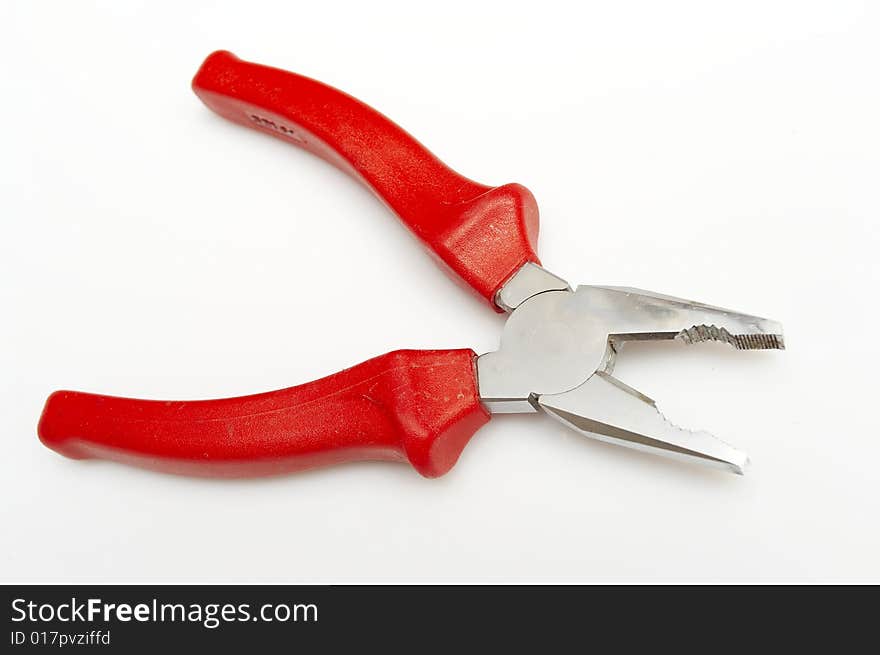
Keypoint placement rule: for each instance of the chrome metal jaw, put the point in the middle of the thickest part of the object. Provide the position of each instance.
(558, 349)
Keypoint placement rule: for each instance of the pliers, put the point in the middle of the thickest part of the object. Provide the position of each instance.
(557, 349)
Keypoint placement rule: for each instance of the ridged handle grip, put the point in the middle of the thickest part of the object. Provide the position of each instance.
(420, 406)
(483, 234)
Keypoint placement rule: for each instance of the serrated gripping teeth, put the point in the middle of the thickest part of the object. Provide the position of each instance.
(606, 409)
(759, 341)
(636, 314)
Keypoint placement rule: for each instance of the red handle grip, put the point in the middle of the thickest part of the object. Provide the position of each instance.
(408, 404)
(484, 234)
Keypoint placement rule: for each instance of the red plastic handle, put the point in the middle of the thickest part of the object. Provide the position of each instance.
(420, 405)
(484, 234)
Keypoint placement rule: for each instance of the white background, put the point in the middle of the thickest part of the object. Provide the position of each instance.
(724, 152)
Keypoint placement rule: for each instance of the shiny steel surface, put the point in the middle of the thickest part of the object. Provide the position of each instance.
(606, 409)
(557, 355)
(529, 280)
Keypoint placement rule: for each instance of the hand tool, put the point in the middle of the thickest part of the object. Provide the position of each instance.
(557, 350)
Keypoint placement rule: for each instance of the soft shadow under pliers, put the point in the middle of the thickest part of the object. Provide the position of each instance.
(557, 349)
